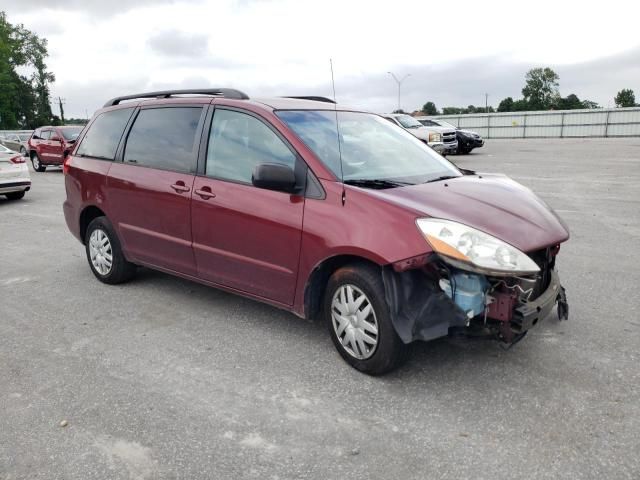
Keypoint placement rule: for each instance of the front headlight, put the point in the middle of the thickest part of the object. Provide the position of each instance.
(471, 249)
(435, 137)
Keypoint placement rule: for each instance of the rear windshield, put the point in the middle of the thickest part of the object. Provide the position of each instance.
(371, 147)
(24, 136)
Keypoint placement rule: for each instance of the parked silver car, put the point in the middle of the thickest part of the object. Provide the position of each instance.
(16, 141)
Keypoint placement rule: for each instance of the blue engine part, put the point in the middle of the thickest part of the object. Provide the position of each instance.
(467, 290)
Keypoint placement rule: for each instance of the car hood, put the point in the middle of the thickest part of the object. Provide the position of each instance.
(494, 204)
(423, 132)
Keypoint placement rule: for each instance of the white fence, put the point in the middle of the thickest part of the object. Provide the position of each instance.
(601, 122)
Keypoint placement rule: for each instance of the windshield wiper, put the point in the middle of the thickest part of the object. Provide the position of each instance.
(443, 177)
(376, 183)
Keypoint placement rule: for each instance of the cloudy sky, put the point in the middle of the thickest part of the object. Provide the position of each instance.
(454, 51)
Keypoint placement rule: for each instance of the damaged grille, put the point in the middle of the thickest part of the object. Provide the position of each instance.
(545, 259)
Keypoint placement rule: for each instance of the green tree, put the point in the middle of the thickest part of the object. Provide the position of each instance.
(24, 100)
(541, 88)
(430, 108)
(589, 104)
(570, 102)
(506, 105)
(625, 98)
(452, 111)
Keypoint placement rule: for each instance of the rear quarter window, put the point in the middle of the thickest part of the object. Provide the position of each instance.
(104, 134)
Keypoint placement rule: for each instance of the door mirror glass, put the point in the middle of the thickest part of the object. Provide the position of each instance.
(274, 176)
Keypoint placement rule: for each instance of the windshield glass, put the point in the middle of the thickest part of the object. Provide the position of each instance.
(372, 148)
(71, 133)
(408, 122)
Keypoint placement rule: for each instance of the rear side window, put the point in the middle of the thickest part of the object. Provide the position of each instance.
(238, 142)
(164, 138)
(101, 141)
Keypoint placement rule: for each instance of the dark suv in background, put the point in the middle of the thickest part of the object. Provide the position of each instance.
(49, 145)
(326, 212)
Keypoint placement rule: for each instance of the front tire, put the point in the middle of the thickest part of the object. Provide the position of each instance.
(359, 321)
(37, 165)
(23, 151)
(15, 195)
(104, 253)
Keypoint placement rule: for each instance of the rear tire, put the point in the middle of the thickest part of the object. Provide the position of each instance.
(15, 195)
(104, 253)
(37, 165)
(23, 151)
(363, 335)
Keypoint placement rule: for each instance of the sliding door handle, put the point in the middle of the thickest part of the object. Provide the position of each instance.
(180, 187)
(205, 193)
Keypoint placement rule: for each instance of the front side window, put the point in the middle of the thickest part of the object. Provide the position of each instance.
(238, 142)
(371, 148)
(101, 141)
(45, 135)
(164, 138)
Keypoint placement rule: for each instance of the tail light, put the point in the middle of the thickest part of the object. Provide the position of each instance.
(65, 163)
(17, 159)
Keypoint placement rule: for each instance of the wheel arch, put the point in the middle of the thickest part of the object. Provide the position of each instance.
(89, 213)
(317, 281)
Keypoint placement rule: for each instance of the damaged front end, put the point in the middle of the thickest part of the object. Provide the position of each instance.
(429, 297)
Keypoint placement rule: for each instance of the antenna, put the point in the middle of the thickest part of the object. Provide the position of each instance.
(335, 109)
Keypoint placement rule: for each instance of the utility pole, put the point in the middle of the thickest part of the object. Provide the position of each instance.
(60, 103)
(486, 102)
(399, 82)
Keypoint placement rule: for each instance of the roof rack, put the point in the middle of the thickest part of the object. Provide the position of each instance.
(314, 98)
(218, 92)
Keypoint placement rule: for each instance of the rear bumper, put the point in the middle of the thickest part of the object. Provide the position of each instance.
(9, 187)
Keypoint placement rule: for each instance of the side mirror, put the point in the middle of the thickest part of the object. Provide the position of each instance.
(274, 176)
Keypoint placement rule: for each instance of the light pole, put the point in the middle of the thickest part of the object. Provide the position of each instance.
(399, 82)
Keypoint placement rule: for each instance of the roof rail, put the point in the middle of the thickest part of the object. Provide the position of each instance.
(218, 92)
(314, 98)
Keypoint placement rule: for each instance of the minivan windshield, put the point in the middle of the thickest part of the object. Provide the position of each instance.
(375, 153)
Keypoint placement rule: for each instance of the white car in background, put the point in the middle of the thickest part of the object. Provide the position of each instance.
(14, 174)
(441, 139)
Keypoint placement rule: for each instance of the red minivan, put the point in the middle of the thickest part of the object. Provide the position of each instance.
(328, 212)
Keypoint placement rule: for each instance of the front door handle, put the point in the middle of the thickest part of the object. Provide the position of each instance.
(180, 187)
(205, 193)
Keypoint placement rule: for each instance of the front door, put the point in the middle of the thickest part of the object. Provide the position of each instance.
(55, 148)
(245, 237)
(149, 193)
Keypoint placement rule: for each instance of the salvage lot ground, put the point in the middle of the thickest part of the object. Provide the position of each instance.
(162, 378)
